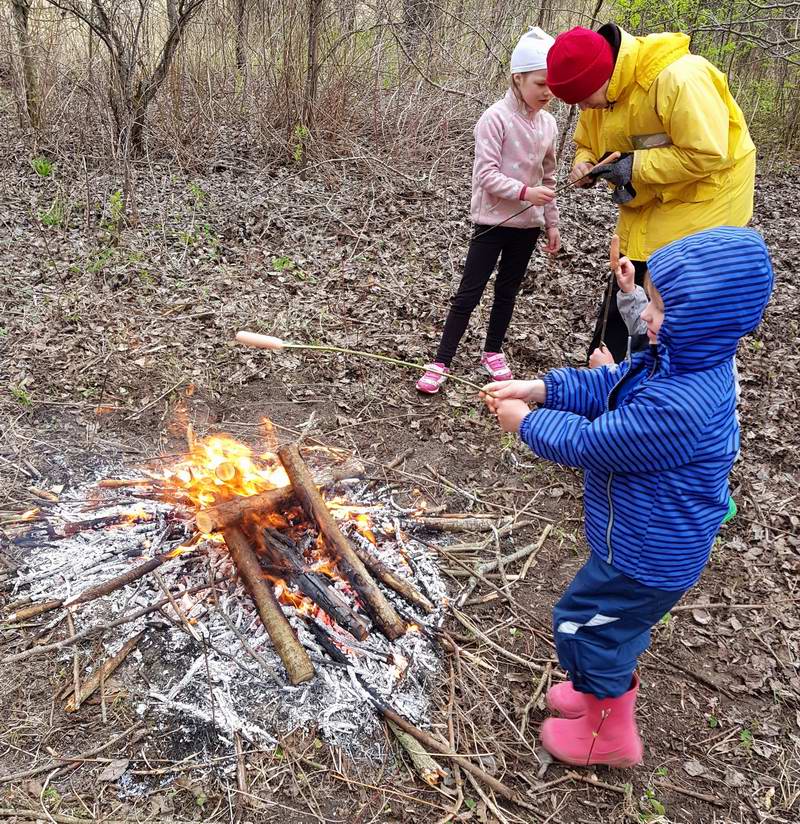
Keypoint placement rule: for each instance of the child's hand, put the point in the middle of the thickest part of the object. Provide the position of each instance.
(625, 275)
(510, 414)
(553, 241)
(579, 171)
(527, 391)
(539, 195)
(600, 357)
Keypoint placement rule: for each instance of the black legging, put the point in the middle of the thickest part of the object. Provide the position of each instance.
(616, 336)
(514, 247)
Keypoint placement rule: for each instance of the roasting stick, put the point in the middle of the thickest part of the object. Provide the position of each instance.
(277, 344)
(610, 159)
(613, 256)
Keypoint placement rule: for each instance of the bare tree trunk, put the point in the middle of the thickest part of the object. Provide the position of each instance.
(20, 10)
(240, 12)
(312, 76)
(172, 13)
(131, 88)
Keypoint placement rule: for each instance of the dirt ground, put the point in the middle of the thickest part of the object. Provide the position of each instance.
(113, 337)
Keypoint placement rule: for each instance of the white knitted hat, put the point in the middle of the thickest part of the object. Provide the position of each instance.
(530, 53)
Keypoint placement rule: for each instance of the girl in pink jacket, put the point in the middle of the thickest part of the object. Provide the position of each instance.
(515, 166)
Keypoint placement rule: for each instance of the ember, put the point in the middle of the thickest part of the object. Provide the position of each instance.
(271, 566)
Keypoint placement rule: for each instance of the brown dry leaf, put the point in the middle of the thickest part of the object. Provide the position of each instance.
(694, 768)
(702, 616)
(114, 769)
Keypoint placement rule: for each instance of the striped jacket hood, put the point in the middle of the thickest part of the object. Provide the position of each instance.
(715, 286)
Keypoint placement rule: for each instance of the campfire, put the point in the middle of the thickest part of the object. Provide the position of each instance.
(258, 592)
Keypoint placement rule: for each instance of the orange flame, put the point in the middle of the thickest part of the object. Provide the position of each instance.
(219, 467)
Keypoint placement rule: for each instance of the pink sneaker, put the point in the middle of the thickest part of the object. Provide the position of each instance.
(435, 375)
(495, 364)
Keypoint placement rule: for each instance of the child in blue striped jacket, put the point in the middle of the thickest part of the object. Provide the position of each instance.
(656, 438)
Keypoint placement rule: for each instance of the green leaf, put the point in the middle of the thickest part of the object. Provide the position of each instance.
(471, 803)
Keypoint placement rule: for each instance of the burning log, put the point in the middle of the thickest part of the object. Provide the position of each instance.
(101, 674)
(386, 576)
(286, 555)
(113, 584)
(295, 659)
(229, 513)
(350, 564)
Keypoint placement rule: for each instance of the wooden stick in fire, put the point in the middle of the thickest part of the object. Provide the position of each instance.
(231, 512)
(386, 576)
(295, 659)
(277, 344)
(349, 563)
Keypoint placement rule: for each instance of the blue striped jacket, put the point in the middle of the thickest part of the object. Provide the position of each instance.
(657, 436)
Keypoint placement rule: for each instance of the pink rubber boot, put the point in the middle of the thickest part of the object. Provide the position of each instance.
(565, 700)
(606, 734)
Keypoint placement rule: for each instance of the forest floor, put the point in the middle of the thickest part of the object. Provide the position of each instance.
(108, 333)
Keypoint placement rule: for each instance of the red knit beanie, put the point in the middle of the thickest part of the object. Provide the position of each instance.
(578, 64)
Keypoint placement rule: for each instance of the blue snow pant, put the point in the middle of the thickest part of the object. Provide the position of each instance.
(602, 625)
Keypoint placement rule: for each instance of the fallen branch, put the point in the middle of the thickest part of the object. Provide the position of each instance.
(511, 656)
(711, 799)
(113, 584)
(462, 524)
(295, 659)
(593, 781)
(103, 672)
(349, 563)
(67, 759)
(693, 674)
(427, 769)
(489, 566)
(124, 483)
(431, 744)
(124, 619)
(534, 698)
(33, 610)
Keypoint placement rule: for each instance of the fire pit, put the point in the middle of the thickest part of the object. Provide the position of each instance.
(250, 593)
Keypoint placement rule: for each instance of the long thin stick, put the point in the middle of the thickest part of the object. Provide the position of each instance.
(276, 344)
(610, 159)
(387, 359)
(124, 619)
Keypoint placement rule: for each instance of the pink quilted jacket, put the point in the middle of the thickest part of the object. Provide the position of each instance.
(513, 150)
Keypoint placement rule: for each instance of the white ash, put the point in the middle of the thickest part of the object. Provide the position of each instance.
(210, 679)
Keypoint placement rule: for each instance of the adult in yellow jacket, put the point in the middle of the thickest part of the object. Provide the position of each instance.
(687, 163)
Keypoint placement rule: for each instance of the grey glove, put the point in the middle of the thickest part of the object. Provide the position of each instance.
(619, 173)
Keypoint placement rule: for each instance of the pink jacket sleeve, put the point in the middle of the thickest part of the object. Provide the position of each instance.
(549, 169)
(489, 133)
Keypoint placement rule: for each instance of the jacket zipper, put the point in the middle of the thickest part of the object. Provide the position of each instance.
(610, 526)
(610, 555)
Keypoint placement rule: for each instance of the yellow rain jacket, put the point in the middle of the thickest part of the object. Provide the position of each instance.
(705, 177)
